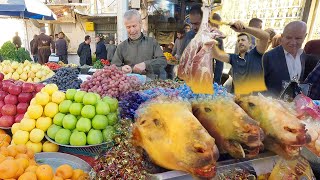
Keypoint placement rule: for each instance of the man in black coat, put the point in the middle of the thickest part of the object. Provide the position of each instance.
(101, 51)
(84, 51)
(62, 48)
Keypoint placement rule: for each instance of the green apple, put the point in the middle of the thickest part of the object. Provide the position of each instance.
(99, 122)
(83, 125)
(113, 103)
(78, 139)
(79, 96)
(88, 111)
(75, 109)
(94, 137)
(102, 108)
(108, 133)
(63, 136)
(112, 119)
(64, 106)
(57, 119)
(89, 99)
(69, 122)
(52, 131)
(98, 96)
(70, 94)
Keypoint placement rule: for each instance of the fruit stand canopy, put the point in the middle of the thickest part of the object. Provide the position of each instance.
(34, 9)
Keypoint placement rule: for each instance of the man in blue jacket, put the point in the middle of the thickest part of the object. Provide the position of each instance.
(101, 51)
(288, 61)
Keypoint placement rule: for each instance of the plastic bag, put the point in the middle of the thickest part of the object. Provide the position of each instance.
(292, 170)
(306, 107)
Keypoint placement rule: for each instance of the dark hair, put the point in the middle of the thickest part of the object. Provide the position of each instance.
(216, 16)
(196, 9)
(254, 22)
(186, 26)
(181, 31)
(87, 37)
(245, 34)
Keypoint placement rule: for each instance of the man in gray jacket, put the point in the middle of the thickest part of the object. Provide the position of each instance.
(139, 54)
(111, 49)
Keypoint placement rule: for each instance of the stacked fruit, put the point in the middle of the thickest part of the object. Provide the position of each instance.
(31, 130)
(15, 97)
(110, 81)
(53, 65)
(71, 65)
(105, 62)
(169, 56)
(26, 71)
(98, 65)
(84, 119)
(18, 162)
(66, 78)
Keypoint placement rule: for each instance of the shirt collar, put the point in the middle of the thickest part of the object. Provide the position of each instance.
(140, 38)
(299, 52)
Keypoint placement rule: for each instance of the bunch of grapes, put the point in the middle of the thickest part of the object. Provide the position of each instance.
(65, 78)
(110, 81)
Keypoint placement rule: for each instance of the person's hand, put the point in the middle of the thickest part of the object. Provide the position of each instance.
(139, 68)
(238, 26)
(209, 44)
(126, 69)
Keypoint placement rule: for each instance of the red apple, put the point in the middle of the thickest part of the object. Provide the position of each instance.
(11, 99)
(0, 85)
(3, 95)
(14, 89)
(5, 85)
(39, 86)
(22, 108)
(9, 109)
(1, 104)
(1, 76)
(28, 87)
(25, 97)
(6, 121)
(18, 118)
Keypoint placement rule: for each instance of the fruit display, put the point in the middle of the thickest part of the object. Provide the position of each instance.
(84, 119)
(105, 62)
(65, 78)
(71, 65)
(160, 84)
(98, 65)
(18, 162)
(38, 118)
(5, 138)
(53, 65)
(15, 97)
(27, 71)
(110, 81)
(169, 56)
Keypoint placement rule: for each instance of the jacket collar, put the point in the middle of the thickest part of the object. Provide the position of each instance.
(139, 39)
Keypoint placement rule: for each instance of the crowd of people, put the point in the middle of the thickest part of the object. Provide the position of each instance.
(263, 61)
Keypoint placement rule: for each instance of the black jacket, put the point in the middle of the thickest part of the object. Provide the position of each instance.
(61, 47)
(84, 52)
(101, 51)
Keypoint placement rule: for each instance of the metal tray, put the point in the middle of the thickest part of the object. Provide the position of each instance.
(56, 159)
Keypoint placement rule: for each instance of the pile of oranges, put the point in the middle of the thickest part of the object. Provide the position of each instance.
(17, 163)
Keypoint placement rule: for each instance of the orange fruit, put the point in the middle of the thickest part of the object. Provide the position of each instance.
(76, 174)
(31, 168)
(32, 162)
(23, 162)
(12, 150)
(19, 172)
(2, 158)
(65, 171)
(30, 153)
(8, 169)
(44, 172)
(4, 144)
(22, 156)
(10, 158)
(21, 148)
(57, 178)
(28, 176)
(5, 137)
(2, 131)
(4, 151)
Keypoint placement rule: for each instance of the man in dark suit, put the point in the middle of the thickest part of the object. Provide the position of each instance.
(288, 61)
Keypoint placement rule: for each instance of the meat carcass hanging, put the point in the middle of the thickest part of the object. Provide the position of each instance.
(195, 67)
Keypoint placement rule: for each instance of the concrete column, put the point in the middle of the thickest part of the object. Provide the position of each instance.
(144, 16)
(121, 29)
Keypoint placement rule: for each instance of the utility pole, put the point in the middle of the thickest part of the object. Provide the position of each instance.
(121, 29)
(144, 16)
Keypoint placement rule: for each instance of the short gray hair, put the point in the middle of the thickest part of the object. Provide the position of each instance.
(132, 12)
(43, 30)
